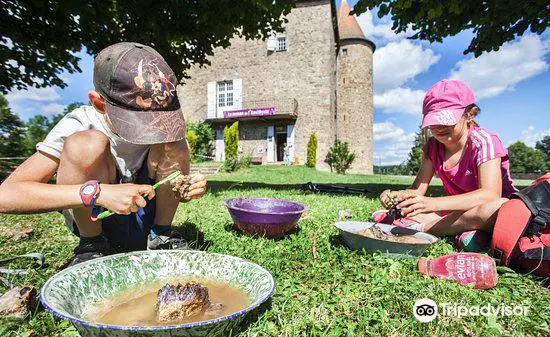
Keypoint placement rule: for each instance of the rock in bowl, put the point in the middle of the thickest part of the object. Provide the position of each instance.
(387, 239)
(267, 217)
(70, 293)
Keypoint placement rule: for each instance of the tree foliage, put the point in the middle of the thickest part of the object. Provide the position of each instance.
(339, 157)
(41, 39)
(492, 22)
(412, 166)
(38, 127)
(525, 159)
(231, 141)
(12, 131)
(543, 145)
(311, 151)
(205, 138)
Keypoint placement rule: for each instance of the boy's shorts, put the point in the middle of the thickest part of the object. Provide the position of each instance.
(125, 232)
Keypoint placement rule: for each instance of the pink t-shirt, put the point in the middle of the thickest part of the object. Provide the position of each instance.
(482, 146)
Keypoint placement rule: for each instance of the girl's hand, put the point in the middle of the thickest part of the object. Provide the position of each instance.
(388, 197)
(124, 198)
(418, 204)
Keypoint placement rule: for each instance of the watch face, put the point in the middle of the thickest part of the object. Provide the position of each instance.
(88, 189)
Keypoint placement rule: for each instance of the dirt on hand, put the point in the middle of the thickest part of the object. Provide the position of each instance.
(181, 186)
(376, 233)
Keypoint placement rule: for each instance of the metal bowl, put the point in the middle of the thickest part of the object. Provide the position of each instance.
(70, 293)
(350, 229)
(267, 217)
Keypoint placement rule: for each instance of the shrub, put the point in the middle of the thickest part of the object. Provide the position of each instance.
(311, 151)
(192, 141)
(233, 164)
(231, 141)
(339, 157)
(205, 138)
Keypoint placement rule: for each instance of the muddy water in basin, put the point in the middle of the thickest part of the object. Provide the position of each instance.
(375, 233)
(138, 306)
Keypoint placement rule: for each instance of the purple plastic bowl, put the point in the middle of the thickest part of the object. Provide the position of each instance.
(267, 217)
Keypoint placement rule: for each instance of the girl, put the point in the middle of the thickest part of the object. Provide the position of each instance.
(471, 162)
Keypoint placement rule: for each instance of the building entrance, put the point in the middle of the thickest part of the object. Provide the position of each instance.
(280, 144)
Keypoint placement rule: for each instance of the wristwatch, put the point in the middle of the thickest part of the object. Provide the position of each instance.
(89, 192)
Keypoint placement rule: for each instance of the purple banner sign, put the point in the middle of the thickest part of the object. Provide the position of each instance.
(255, 112)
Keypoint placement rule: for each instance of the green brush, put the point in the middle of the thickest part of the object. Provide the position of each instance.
(172, 176)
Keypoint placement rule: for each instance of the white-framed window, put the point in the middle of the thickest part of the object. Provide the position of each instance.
(276, 42)
(281, 43)
(225, 94)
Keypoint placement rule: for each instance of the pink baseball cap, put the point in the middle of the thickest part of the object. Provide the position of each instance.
(445, 101)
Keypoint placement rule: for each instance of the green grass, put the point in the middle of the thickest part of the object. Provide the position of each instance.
(337, 293)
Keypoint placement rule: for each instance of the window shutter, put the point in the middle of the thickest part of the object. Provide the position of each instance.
(270, 144)
(290, 141)
(220, 145)
(272, 42)
(211, 99)
(238, 93)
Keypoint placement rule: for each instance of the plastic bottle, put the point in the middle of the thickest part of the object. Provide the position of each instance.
(465, 268)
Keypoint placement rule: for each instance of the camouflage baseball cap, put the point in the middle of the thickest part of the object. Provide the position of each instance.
(140, 95)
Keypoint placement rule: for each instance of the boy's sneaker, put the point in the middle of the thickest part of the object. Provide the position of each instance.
(168, 240)
(89, 251)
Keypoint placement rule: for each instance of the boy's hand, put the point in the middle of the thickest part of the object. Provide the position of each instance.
(124, 198)
(196, 189)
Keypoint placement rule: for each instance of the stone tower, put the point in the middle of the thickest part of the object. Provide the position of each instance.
(354, 115)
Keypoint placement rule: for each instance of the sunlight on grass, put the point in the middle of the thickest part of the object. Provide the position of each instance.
(340, 293)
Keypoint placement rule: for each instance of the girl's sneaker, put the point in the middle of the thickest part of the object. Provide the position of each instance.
(382, 216)
(473, 241)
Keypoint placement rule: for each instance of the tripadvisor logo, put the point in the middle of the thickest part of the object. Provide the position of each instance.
(426, 310)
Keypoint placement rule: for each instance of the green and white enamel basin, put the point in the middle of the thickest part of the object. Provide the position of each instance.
(69, 293)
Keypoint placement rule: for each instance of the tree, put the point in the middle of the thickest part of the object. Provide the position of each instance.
(525, 159)
(312, 151)
(492, 22)
(231, 141)
(412, 165)
(204, 139)
(185, 32)
(37, 129)
(543, 145)
(339, 157)
(12, 131)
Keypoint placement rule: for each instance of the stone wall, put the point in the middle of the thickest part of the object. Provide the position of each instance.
(355, 102)
(305, 71)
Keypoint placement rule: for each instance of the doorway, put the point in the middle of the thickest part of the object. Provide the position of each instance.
(280, 141)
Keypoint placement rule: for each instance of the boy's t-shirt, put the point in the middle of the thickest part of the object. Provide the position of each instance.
(129, 157)
(482, 145)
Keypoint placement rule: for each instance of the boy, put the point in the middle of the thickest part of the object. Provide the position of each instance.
(108, 155)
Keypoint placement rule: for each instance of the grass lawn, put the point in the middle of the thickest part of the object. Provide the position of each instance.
(334, 292)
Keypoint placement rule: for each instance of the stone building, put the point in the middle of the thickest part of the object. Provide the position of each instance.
(316, 77)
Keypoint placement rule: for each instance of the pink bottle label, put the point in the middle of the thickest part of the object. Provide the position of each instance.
(465, 268)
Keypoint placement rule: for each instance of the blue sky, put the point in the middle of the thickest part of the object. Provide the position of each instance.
(512, 86)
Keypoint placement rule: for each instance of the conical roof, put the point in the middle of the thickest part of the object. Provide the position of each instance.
(347, 24)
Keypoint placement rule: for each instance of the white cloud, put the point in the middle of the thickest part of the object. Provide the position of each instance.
(398, 62)
(531, 135)
(386, 131)
(380, 33)
(496, 72)
(48, 94)
(403, 100)
(52, 109)
(392, 144)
